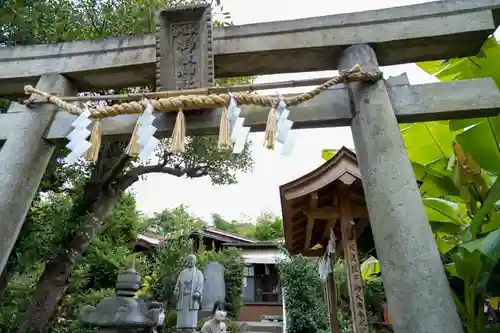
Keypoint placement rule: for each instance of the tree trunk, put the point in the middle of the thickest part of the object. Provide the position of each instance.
(4, 281)
(54, 281)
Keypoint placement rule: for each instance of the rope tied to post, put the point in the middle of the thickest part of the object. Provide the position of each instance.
(209, 101)
(194, 101)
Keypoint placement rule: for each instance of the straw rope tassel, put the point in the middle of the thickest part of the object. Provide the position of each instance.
(199, 99)
(95, 139)
(133, 148)
(270, 134)
(179, 133)
(224, 131)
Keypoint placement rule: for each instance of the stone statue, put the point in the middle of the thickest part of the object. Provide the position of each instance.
(188, 292)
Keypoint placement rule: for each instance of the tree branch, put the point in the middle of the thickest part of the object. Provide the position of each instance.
(116, 169)
(133, 175)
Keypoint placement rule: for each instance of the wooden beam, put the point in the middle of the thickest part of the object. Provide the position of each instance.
(428, 31)
(330, 212)
(329, 226)
(331, 299)
(355, 283)
(330, 222)
(313, 203)
(412, 103)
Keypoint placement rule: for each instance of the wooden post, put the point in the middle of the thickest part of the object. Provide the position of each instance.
(25, 155)
(354, 281)
(415, 282)
(331, 299)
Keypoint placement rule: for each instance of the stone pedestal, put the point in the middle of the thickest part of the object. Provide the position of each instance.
(184, 330)
(121, 313)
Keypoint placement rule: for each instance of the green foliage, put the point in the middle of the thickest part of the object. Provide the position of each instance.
(95, 273)
(306, 307)
(267, 227)
(244, 229)
(304, 297)
(232, 326)
(484, 64)
(172, 222)
(51, 230)
(168, 262)
(457, 161)
(15, 300)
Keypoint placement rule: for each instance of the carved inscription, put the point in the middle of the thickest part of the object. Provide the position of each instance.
(186, 54)
(356, 288)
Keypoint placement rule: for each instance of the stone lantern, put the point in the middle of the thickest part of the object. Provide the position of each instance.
(121, 313)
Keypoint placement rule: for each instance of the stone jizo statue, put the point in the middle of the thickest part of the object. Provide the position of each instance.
(188, 292)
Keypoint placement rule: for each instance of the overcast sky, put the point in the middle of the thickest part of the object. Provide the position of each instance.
(257, 191)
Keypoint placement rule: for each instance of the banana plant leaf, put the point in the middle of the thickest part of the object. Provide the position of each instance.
(485, 64)
(429, 144)
(489, 245)
(440, 210)
(481, 136)
(327, 154)
(369, 268)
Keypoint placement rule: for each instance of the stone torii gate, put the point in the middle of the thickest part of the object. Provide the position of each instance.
(416, 286)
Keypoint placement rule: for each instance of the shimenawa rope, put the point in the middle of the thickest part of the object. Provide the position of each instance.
(194, 102)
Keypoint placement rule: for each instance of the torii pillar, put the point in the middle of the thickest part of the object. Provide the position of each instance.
(24, 155)
(415, 283)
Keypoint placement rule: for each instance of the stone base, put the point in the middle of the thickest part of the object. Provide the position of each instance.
(117, 330)
(184, 330)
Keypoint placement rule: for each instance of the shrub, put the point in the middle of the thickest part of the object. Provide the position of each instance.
(306, 308)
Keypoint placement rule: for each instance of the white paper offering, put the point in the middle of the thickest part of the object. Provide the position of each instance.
(238, 125)
(81, 148)
(241, 138)
(76, 153)
(78, 134)
(148, 149)
(234, 114)
(149, 108)
(283, 129)
(81, 122)
(145, 133)
(283, 115)
(288, 145)
(146, 119)
(70, 159)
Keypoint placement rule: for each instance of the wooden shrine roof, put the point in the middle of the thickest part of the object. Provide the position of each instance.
(310, 204)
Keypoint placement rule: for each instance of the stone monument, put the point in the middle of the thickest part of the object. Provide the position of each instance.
(184, 51)
(188, 292)
(214, 287)
(121, 313)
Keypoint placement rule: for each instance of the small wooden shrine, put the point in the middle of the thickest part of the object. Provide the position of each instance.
(327, 199)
